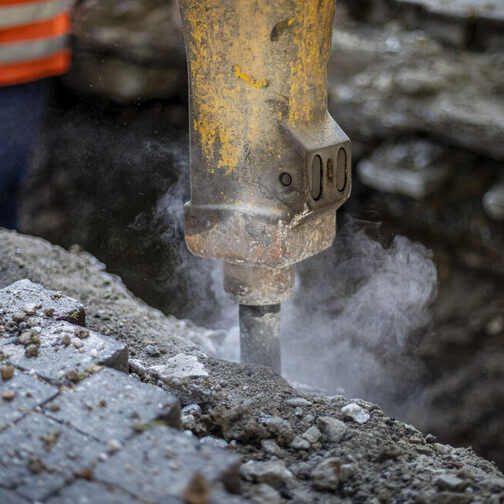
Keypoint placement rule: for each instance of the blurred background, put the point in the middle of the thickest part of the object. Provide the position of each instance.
(419, 87)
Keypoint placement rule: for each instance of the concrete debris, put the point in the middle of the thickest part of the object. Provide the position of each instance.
(354, 412)
(274, 473)
(312, 435)
(181, 366)
(235, 413)
(326, 475)
(450, 482)
(415, 168)
(332, 428)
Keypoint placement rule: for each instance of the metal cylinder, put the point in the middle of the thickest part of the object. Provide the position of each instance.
(260, 335)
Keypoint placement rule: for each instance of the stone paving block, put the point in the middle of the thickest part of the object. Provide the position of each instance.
(38, 455)
(39, 304)
(87, 492)
(10, 497)
(109, 405)
(29, 391)
(162, 463)
(61, 352)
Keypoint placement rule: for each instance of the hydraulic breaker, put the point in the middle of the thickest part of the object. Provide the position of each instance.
(269, 165)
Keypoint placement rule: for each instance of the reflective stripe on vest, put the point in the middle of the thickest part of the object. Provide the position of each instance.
(25, 13)
(33, 40)
(32, 50)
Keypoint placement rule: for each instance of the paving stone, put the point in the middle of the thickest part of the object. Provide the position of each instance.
(170, 461)
(109, 403)
(40, 304)
(29, 392)
(87, 492)
(38, 455)
(56, 357)
(10, 497)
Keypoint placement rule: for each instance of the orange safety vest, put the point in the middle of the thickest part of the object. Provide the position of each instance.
(33, 40)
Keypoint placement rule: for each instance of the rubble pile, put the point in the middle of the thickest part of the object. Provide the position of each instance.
(246, 435)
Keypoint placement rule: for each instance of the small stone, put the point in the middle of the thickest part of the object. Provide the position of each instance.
(449, 482)
(18, 317)
(326, 475)
(94, 353)
(7, 372)
(332, 428)
(72, 376)
(49, 312)
(138, 426)
(191, 409)
(273, 472)
(198, 490)
(188, 422)
(35, 465)
(298, 401)
(152, 351)
(25, 338)
(300, 444)
(279, 429)
(354, 412)
(31, 350)
(102, 403)
(77, 343)
(264, 494)
(113, 446)
(389, 453)
(312, 435)
(299, 412)
(270, 446)
(31, 309)
(8, 395)
(66, 339)
(54, 407)
(82, 333)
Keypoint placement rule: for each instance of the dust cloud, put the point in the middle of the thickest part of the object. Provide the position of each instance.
(357, 313)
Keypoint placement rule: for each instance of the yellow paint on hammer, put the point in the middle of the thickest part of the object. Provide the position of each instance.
(250, 80)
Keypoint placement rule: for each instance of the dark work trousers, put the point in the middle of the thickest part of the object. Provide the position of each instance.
(21, 113)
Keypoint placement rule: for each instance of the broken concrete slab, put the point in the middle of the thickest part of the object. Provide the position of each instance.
(110, 405)
(415, 168)
(29, 392)
(39, 455)
(171, 465)
(31, 301)
(63, 356)
(85, 492)
(10, 497)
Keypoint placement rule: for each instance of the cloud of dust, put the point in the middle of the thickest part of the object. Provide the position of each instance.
(357, 313)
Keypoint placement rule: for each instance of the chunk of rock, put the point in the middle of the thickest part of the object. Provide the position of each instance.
(312, 435)
(7, 372)
(264, 494)
(326, 475)
(274, 473)
(450, 482)
(279, 429)
(354, 412)
(332, 428)
(300, 444)
(181, 366)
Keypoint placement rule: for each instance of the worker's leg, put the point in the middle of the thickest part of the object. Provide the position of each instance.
(21, 112)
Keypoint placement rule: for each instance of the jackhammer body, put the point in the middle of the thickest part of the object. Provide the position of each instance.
(269, 166)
